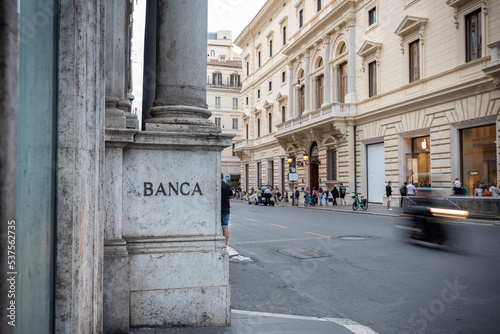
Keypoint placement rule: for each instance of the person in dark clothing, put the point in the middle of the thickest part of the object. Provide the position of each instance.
(335, 195)
(403, 191)
(226, 195)
(388, 193)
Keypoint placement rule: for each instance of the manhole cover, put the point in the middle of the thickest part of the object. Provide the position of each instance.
(304, 253)
(353, 238)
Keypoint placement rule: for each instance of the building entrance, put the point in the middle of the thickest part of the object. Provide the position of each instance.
(314, 167)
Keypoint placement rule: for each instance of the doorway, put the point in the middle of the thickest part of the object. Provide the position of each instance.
(314, 167)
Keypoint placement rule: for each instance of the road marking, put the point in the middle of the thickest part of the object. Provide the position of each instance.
(279, 240)
(278, 225)
(351, 325)
(252, 220)
(319, 235)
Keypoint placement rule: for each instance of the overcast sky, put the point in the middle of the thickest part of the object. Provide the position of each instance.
(232, 15)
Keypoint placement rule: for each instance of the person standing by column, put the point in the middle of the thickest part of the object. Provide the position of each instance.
(226, 195)
(342, 192)
(388, 192)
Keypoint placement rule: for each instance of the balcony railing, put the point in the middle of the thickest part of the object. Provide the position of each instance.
(335, 109)
(245, 143)
(221, 85)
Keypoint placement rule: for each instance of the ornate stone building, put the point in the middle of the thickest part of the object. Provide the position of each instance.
(223, 96)
(371, 91)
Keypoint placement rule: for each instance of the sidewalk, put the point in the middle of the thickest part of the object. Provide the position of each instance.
(374, 209)
(270, 323)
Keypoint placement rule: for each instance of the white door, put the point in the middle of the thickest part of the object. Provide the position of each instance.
(376, 172)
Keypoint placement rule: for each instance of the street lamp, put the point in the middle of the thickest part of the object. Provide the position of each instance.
(305, 156)
(293, 170)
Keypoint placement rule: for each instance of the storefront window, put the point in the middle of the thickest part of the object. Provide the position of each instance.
(418, 163)
(478, 160)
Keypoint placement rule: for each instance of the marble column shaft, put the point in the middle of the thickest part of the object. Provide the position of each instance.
(307, 83)
(290, 92)
(327, 85)
(351, 68)
(117, 41)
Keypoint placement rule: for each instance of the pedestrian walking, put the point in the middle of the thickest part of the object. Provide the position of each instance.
(297, 195)
(276, 194)
(335, 195)
(403, 191)
(388, 193)
(320, 194)
(259, 196)
(327, 194)
(226, 195)
(494, 189)
(342, 193)
(410, 189)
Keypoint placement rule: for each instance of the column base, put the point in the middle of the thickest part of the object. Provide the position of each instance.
(115, 118)
(116, 287)
(180, 119)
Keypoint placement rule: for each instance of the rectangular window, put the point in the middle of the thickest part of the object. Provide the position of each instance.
(473, 38)
(218, 121)
(319, 5)
(284, 35)
(301, 18)
(320, 82)
(342, 80)
(283, 77)
(258, 175)
(246, 100)
(235, 123)
(258, 59)
(270, 86)
(258, 93)
(478, 157)
(248, 68)
(283, 117)
(246, 130)
(372, 16)
(372, 79)
(235, 102)
(331, 164)
(270, 123)
(217, 78)
(414, 60)
(258, 127)
(217, 101)
(235, 80)
(302, 102)
(271, 48)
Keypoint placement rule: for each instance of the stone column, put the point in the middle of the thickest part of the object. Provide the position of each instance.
(336, 84)
(351, 75)
(307, 83)
(181, 68)
(290, 90)
(177, 258)
(118, 106)
(80, 168)
(328, 79)
(315, 93)
(8, 134)
(297, 97)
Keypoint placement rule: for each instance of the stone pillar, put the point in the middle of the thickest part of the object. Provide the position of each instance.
(290, 90)
(336, 85)
(327, 68)
(178, 267)
(315, 93)
(307, 83)
(297, 97)
(8, 135)
(80, 168)
(181, 70)
(351, 68)
(117, 41)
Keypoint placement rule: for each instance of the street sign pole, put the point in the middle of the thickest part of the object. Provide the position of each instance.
(293, 194)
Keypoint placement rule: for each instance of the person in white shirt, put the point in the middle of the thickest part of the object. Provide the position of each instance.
(494, 189)
(411, 189)
(457, 183)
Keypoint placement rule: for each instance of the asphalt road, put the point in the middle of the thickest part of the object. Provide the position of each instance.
(368, 274)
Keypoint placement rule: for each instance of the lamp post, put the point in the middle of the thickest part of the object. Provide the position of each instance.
(291, 170)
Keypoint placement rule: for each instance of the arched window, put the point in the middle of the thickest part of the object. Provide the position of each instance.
(212, 53)
(342, 48)
(283, 118)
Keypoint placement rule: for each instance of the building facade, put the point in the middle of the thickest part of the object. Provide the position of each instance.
(371, 91)
(223, 97)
